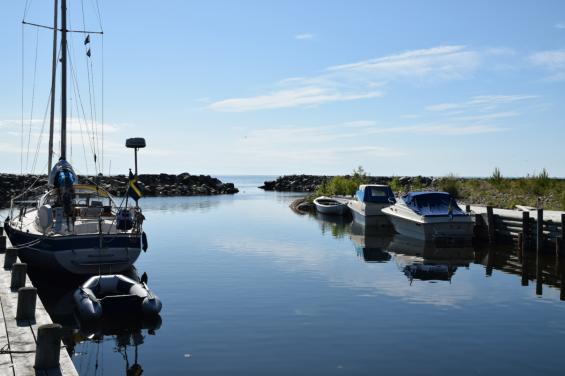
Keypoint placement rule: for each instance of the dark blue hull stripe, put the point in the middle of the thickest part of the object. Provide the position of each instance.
(71, 242)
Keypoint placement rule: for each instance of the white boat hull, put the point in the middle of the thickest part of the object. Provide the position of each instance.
(339, 207)
(370, 217)
(438, 228)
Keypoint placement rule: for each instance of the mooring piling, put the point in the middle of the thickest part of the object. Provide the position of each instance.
(48, 346)
(525, 232)
(19, 273)
(490, 224)
(27, 297)
(539, 231)
(10, 257)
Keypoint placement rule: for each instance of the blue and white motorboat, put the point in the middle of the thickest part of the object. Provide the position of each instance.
(369, 202)
(430, 215)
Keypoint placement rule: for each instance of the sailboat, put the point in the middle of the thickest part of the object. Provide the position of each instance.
(72, 227)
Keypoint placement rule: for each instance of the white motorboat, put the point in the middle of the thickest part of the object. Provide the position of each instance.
(430, 215)
(369, 201)
(331, 205)
(69, 226)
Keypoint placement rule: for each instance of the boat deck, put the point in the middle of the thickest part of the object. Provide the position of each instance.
(18, 337)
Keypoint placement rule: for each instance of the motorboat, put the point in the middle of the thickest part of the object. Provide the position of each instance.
(430, 215)
(369, 202)
(111, 294)
(331, 205)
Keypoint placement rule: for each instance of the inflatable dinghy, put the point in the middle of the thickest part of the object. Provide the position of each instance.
(115, 294)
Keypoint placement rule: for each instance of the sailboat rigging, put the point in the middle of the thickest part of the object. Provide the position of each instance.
(74, 227)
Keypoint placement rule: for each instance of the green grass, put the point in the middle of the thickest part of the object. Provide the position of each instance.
(496, 190)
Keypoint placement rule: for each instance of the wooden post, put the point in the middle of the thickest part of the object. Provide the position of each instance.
(27, 296)
(520, 250)
(539, 232)
(490, 224)
(558, 248)
(467, 208)
(10, 258)
(1, 231)
(525, 231)
(19, 270)
(48, 346)
(562, 226)
(2, 243)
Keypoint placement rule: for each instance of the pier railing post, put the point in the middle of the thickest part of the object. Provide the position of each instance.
(19, 271)
(525, 231)
(490, 224)
(48, 346)
(27, 297)
(539, 232)
(10, 258)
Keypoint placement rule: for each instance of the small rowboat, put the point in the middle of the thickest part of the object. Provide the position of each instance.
(331, 205)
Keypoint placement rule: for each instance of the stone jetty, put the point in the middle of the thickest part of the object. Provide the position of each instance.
(309, 183)
(184, 184)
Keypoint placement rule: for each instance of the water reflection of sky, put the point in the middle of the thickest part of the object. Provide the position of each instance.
(250, 287)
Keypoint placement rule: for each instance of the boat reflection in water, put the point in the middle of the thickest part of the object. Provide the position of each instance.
(337, 225)
(430, 261)
(85, 338)
(370, 244)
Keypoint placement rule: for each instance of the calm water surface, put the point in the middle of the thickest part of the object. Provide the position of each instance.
(251, 288)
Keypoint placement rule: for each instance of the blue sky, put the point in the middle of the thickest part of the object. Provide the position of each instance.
(256, 87)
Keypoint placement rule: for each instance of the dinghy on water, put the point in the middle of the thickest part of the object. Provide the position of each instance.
(331, 205)
(108, 294)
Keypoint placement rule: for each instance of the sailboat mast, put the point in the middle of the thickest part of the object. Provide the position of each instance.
(53, 85)
(64, 79)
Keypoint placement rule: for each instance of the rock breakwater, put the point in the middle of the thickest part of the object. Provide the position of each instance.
(184, 184)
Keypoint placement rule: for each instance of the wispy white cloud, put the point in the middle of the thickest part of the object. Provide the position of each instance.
(551, 60)
(443, 62)
(304, 36)
(560, 25)
(358, 80)
(299, 97)
(482, 102)
(441, 129)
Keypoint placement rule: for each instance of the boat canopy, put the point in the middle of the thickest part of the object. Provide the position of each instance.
(62, 175)
(375, 193)
(430, 204)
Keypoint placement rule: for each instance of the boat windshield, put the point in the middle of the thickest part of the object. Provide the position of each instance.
(375, 193)
(432, 203)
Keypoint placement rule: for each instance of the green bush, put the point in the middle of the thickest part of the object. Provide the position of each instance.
(395, 184)
(562, 200)
(450, 185)
(343, 185)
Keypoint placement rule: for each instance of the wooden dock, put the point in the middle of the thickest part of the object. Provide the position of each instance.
(18, 338)
(536, 229)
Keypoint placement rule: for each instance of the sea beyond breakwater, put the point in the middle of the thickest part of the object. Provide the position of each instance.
(162, 184)
(533, 190)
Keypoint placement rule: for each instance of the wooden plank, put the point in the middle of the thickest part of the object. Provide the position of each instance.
(21, 335)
